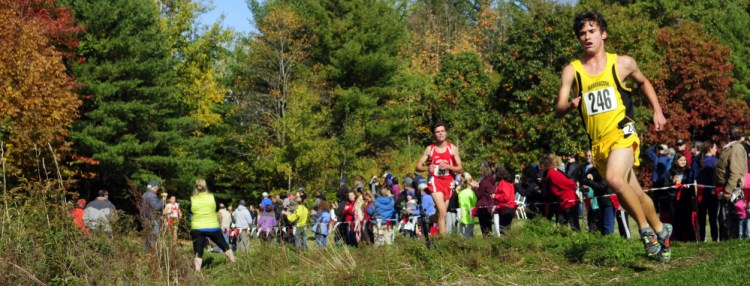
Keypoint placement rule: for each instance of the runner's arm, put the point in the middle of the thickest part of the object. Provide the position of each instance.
(420, 164)
(458, 168)
(632, 70)
(562, 105)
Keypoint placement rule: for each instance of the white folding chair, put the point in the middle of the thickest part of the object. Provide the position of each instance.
(521, 209)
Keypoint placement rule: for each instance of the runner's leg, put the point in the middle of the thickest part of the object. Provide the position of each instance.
(442, 209)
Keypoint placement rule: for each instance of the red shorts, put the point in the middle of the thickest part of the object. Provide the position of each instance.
(442, 185)
(171, 221)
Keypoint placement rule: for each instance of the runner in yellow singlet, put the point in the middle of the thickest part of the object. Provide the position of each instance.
(597, 82)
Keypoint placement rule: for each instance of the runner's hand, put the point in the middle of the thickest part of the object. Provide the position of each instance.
(575, 102)
(659, 121)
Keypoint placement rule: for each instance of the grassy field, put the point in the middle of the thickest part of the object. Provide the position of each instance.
(534, 253)
(39, 245)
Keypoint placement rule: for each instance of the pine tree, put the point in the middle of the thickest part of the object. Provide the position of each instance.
(132, 125)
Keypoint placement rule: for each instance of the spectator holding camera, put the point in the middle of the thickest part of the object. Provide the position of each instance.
(662, 163)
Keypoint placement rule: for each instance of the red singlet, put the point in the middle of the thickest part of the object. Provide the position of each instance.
(440, 180)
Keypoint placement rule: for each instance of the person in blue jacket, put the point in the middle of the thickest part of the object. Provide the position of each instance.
(383, 211)
(320, 227)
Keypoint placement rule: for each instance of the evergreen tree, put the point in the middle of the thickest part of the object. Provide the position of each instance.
(131, 124)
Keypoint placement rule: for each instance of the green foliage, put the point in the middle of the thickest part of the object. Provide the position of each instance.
(131, 123)
(538, 46)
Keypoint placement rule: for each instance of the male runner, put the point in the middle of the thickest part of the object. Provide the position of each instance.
(606, 107)
(445, 161)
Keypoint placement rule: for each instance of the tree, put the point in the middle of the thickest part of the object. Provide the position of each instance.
(696, 84)
(530, 61)
(463, 99)
(197, 51)
(38, 105)
(131, 123)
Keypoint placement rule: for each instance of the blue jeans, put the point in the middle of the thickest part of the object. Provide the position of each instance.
(608, 220)
(300, 239)
(744, 228)
(150, 239)
(321, 239)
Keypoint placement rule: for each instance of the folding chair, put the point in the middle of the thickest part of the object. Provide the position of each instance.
(521, 209)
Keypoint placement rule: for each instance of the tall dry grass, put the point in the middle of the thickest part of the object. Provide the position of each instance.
(40, 245)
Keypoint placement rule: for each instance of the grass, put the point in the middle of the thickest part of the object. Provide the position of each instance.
(534, 253)
(39, 245)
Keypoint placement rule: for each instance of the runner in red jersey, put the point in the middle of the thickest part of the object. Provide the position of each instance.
(445, 161)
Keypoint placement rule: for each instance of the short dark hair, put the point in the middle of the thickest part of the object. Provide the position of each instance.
(102, 193)
(735, 132)
(438, 124)
(501, 173)
(589, 16)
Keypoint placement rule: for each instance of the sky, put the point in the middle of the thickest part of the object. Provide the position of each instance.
(236, 15)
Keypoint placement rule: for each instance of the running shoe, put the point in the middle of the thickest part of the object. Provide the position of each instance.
(651, 243)
(665, 253)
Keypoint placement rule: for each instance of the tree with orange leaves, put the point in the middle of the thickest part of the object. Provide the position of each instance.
(38, 104)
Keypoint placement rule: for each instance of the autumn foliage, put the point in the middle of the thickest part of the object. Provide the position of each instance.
(695, 85)
(37, 105)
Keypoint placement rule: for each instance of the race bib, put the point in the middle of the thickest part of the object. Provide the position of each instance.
(628, 129)
(600, 101)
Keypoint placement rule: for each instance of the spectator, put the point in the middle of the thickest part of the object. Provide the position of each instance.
(695, 151)
(319, 197)
(205, 224)
(563, 189)
(173, 214)
(343, 192)
(401, 199)
(467, 201)
(708, 203)
(688, 153)
(77, 214)
(265, 202)
(151, 208)
(661, 164)
(604, 216)
(98, 213)
(679, 206)
(225, 220)
(484, 195)
(321, 223)
(298, 215)
(451, 219)
(504, 198)
(395, 188)
(730, 174)
(266, 223)
(349, 217)
(531, 188)
(744, 222)
(243, 220)
(428, 204)
(384, 212)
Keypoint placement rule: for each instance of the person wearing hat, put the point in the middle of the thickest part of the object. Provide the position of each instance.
(98, 212)
(445, 162)
(265, 202)
(77, 214)
(151, 208)
(242, 221)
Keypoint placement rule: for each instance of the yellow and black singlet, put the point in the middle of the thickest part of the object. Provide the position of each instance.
(606, 105)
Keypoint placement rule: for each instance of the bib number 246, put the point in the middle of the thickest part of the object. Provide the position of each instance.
(600, 101)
